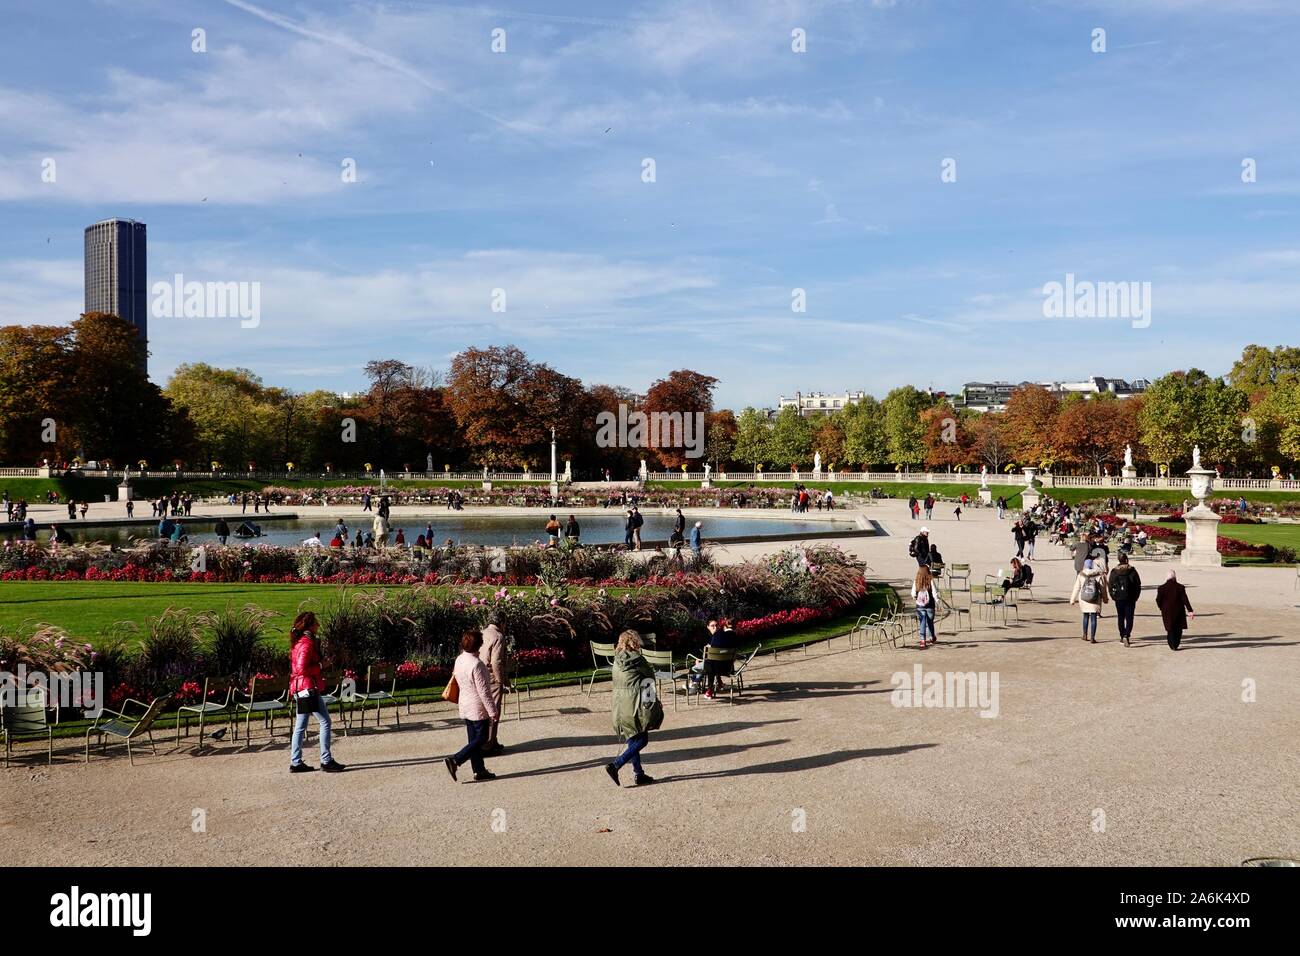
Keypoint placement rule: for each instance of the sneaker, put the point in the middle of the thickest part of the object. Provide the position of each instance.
(709, 694)
(485, 775)
(450, 764)
(301, 768)
(613, 773)
(644, 779)
(333, 767)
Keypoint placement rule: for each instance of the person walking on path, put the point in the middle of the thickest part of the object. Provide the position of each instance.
(305, 687)
(1002, 507)
(476, 704)
(920, 548)
(1018, 532)
(957, 511)
(637, 522)
(695, 538)
(1171, 598)
(929, 507)
(1090, 594)
(1125, 587)
(493, 656)
(627, 530)
(1031, 535)
(222, 530)
(379, 528)
(636, 706)
(924, 597)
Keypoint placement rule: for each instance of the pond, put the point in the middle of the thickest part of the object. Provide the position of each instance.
(466, 529)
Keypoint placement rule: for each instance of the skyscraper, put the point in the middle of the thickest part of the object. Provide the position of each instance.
(116, 275)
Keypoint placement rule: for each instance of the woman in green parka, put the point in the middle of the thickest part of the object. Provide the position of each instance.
(637, 709)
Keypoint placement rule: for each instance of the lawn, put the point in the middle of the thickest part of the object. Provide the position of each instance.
(88, 609)
(1279, 535)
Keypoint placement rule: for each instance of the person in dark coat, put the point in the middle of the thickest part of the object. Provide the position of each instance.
(1171, 598)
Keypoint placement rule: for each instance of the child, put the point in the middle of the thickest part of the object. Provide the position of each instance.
(957, 511)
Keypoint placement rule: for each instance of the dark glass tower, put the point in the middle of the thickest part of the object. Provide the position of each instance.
(116, 275)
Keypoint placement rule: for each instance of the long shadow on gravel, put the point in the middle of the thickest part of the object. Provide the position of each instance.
(798, 764)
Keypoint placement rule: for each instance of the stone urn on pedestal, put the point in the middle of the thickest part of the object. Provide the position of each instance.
(1030, 495)
(1202, 548)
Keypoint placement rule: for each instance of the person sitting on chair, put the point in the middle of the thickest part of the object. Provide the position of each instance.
(721, 638)
(1021, 575)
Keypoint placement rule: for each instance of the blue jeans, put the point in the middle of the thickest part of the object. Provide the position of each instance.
(632, 754)
(924, 621)
(1090, 621)
(300, 728)
(477, 732)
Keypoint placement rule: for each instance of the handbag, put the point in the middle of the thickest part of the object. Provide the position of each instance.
(451, 692)
(308, 701)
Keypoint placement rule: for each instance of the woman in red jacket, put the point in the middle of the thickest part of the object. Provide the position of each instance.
(305, 687)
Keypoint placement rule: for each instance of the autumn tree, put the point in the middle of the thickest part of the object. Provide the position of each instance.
(1093, 432)
(947, 441)
(1030, 424)
(904, 425)
(681, 394)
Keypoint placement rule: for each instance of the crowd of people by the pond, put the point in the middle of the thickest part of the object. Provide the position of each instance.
(1100, 577)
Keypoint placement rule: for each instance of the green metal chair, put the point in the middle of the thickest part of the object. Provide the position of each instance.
(602, 660)
(664, 668)
(695, 676)
(26, 722)
(202, 709)
(267, 707)
(126, 728)
(377, 676)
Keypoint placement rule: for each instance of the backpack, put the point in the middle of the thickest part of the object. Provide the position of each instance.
(1120, 586)
(912, 548)
(1090, 593)
(923, 598)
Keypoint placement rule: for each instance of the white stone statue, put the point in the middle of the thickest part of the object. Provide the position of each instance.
(984, 476)
(817, 463)
(643, 470)
(707, 468)
(428, 462)
(1128, 456)
(485, 472)
(1196, 456)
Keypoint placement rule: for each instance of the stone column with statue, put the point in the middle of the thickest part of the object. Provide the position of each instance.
(986, 494)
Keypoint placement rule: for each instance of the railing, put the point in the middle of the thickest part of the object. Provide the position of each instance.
(1000, 480)
(20, 472)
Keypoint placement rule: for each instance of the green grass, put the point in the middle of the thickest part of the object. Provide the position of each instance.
(88, 609)
(1279, 535)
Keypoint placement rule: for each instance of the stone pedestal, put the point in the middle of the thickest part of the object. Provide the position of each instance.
(487, 486)
(1128, 473)
(555, 490)
(986, 496)
(126, 491)
(706, 483)
(1202, 549)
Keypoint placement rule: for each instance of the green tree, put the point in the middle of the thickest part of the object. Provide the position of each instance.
(864, 434)
(905, 426)
(791, 439)
(753, 444)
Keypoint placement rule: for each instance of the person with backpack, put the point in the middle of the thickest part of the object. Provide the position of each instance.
(911, 507)
(1090, 594)
(1171, 598)
(1021, 575)
(920, 548)
(1031, 535)
(923, 595)
(1125, 586)
(929, 507)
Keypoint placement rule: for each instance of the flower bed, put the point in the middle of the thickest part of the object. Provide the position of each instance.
(538, 496)
(269, 564)
(418, 628)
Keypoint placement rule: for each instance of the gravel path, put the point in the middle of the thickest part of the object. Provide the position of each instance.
(1100, 754)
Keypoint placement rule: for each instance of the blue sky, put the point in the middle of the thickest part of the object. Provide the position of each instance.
(775, 170)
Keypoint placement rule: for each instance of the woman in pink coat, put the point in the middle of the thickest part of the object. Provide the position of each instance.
(478, 707)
